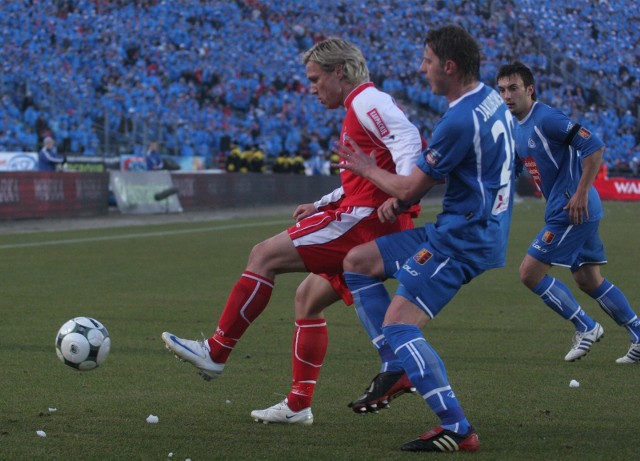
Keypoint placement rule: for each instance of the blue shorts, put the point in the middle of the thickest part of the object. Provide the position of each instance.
(568, 245)
(427, 278)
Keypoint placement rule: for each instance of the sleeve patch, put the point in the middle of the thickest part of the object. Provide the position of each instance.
(584, 133)
(432, 156)
(378, 122)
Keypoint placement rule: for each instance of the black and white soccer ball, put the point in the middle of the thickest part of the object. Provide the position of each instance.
(83, 343)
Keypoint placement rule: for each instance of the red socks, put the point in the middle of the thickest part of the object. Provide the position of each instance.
(309, 347)
(248, 298)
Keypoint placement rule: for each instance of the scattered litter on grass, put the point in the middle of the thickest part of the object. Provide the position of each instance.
(41, 433)
(52, 410)
(227, 401)
(170, 455)
(152, 419)
(574, 383)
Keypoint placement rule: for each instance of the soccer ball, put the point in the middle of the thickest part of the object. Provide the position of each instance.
(83, 343)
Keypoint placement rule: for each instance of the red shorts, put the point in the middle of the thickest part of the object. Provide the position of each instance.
(324, 239)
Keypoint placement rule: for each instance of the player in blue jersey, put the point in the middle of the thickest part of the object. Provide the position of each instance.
(472, 150)
(563, 159)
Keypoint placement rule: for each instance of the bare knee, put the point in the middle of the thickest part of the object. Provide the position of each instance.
(304, 308)
(364, 259)
(276, 255)
(532, 272)
(259, 255)
(588, 278)
(313, 296)
(527, 278)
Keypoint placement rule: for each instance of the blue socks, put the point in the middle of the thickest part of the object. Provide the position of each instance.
(427, 373)
(557, 296)
(403, 347)
(615, 304)
(611, 299)
(372, 300)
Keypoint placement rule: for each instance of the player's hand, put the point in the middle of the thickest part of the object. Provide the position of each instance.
(303, 211)
(354, 158)
(391, 208)
(578, 208)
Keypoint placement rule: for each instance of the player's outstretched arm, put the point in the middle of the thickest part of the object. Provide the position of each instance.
(408, 189)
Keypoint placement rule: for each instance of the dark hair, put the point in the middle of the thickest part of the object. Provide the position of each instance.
(454, 43)
(517, 68)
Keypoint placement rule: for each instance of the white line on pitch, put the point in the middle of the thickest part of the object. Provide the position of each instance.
(144, 234)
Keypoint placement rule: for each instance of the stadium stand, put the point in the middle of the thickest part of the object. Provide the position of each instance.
(106, 77)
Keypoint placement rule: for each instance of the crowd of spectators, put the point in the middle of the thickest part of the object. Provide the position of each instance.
(105, 77)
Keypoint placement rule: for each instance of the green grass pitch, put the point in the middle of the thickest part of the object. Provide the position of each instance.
(503, 350)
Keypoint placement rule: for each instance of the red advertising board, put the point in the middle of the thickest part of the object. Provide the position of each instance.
(26, 194)
(618, 188)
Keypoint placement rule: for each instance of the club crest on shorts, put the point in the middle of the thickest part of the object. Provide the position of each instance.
(422, 256)
(548, 237)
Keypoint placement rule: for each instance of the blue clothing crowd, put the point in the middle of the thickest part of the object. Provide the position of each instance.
(106, 77)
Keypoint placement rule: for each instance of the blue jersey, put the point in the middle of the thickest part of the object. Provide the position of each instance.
(551, 147)
(472, 148)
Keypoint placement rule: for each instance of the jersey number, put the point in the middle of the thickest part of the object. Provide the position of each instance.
(503, 196)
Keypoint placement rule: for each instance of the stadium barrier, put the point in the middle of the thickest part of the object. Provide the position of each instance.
(144, 192)
(27, 195)
(615, 189)
(627, 189)
(18, 161)
(206, 191)
(30, 194)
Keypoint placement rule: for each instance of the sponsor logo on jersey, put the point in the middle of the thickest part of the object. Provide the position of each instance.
(548, 237)
(378, 122)
(532, 167)
(422, 256)
(432, 156)
(584, 133)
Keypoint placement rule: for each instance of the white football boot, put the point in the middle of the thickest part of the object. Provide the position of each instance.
(194, 352)
(281, 413)
(632, 355)
(582, 343)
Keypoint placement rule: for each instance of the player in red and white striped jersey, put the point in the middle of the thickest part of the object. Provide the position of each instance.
(323, 234)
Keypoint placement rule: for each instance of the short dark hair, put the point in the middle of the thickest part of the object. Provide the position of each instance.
(517, 68)
(454, 43)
